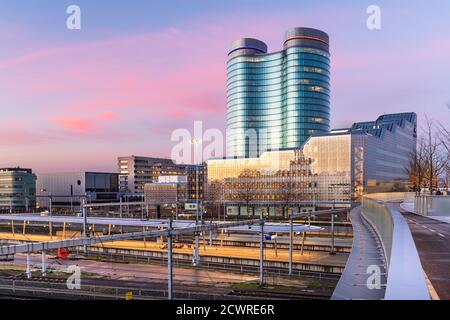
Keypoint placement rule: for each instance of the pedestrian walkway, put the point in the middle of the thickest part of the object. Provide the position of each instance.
(366, 252)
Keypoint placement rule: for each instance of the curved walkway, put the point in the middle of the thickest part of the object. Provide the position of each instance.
(366, 251)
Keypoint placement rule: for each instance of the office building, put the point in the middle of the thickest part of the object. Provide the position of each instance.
(331, 169)
(68, 190)
(372, 156)
(277, 100)
(17, 189)
(168, 190)
(275, 182)
(135, 172)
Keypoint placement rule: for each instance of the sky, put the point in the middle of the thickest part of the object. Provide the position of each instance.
(73, 100)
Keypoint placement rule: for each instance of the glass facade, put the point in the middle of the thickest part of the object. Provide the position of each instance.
(332, 168)
(165, 193)
(277, 100)
(370, 157)
(388, 149)
(277, 181)
(135, 172)
(17, 189)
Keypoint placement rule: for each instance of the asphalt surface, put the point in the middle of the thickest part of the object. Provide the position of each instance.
(432, 239)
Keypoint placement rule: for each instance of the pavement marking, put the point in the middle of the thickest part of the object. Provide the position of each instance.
(433, 294)
(426, 227)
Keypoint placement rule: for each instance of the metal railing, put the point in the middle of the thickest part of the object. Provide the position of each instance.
(431, 205)
(406, 278)
(379, 217)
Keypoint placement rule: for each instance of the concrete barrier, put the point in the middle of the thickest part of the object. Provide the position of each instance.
(406, 279)
(428, 205)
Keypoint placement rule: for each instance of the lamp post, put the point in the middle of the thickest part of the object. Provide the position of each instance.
(50, 201)
(51, 205)
(170, 261)
(291, 244)
(50, 225)
(176, 204)
(261, 252)
(196, 262)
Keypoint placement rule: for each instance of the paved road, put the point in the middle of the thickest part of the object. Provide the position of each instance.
(432, 240)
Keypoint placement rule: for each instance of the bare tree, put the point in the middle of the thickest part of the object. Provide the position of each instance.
(287, 190)
(445, 134)
(445, 141)
(447, 177)
(416, 166)
(246, 187)
(215, 193)
(435, 159)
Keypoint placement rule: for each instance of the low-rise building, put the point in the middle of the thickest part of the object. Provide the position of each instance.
(67, 190)
(168, 190)
(135, 172)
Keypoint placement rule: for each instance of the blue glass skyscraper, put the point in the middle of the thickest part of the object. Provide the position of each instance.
(277, 100)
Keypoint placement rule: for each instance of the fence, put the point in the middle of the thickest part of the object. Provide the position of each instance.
(57, 288)
(437, 206)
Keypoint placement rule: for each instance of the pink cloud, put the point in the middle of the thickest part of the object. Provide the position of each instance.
(108, 116)
(77, 124)
(156, 81)
(19, 133)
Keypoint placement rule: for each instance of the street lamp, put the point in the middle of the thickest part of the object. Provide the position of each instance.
(50, 203)
(196, 142)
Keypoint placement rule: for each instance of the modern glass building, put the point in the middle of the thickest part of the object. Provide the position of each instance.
(17, 189)
(372, 156)
(333, 168)
(277, 100)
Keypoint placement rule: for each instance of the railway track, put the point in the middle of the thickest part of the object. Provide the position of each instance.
(107, 289)
(215, 266)
(267, 294)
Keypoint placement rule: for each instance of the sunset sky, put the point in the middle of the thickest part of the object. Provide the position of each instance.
(75, 100)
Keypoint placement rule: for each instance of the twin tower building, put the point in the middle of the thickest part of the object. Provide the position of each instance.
(277, 100)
